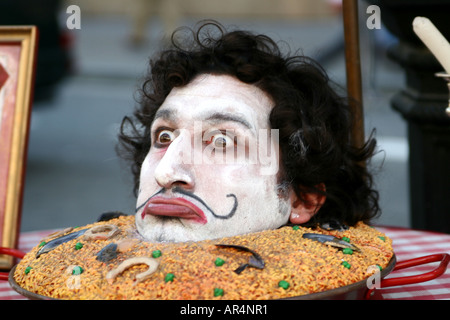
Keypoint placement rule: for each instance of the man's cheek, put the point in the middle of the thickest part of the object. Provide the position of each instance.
(268, 153)
(148, 169)
(147, 183)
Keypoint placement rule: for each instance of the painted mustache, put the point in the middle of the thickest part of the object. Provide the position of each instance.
(187, 204)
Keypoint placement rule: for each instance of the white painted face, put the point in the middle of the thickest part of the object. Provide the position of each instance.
(212, 168)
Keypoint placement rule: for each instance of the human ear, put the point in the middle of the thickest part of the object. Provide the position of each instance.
(303, 210)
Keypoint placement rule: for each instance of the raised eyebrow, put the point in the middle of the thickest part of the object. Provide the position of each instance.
(165, 114)
(220, 116)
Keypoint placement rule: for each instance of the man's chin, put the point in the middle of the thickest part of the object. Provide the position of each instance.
(171, 230)
(168, 236)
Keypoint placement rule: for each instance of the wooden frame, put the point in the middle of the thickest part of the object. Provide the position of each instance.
(18, 46)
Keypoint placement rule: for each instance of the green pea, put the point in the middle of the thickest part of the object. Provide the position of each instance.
(169, 277)
(218, 292)
(156, 254)
(283, 284)
(219, 262)
(77, 270)
(27, 270)
(346, 264)
(78, 246)
(347, 251)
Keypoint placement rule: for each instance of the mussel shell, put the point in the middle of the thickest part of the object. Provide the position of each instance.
(319, 237)
(254, 261)
(330, 240)
(108, 253)
(334, 225)
(52, 244)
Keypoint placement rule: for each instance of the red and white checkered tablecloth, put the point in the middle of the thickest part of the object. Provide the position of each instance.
(408, 244)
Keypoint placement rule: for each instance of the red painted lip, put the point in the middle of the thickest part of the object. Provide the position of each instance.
(174, 207)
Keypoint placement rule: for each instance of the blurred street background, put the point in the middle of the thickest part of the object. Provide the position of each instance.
(73, 173)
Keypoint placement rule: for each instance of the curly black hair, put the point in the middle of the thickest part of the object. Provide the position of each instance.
(314, 122)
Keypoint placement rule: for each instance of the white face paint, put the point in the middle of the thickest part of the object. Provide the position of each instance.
(199, 180)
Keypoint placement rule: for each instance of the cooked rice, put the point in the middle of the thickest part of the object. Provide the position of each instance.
(308, 266)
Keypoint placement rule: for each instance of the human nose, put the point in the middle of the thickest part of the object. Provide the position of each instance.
(174, 168)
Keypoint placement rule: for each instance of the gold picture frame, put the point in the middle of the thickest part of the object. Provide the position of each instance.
(18, 50)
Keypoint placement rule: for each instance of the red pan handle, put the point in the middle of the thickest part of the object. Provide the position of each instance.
(10, 252)
(444, 259)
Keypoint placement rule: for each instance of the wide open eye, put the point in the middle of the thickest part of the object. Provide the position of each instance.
(220, 140)
(164, 137)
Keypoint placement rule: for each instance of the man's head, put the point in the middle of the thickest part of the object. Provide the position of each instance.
(231, 137)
